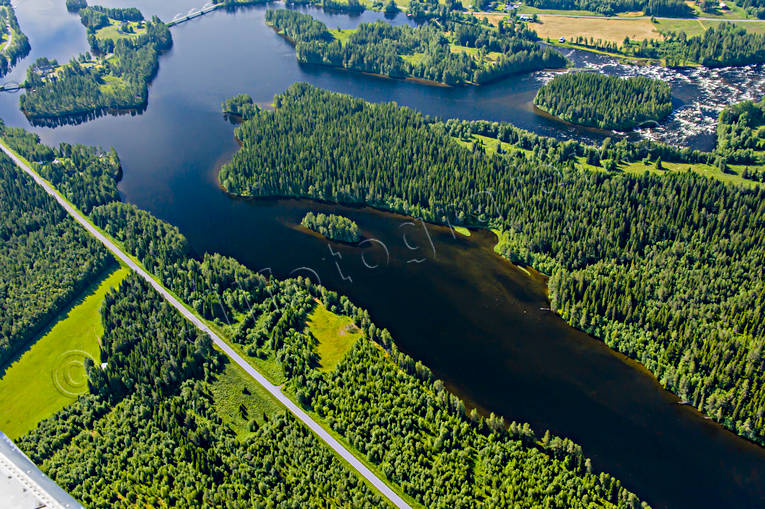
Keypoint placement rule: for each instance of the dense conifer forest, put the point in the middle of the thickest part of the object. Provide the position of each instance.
(161, 435)
(451, 53)
(115, 76)
(332, 226)
(239, 107)
(606, 102)
(741, 132)
(667, 269)
(46, 259)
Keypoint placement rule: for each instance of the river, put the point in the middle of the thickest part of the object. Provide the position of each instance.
(477, 321)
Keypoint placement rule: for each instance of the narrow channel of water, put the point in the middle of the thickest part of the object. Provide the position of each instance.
(476, 320)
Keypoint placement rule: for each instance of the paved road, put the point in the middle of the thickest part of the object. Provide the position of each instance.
(275, 390)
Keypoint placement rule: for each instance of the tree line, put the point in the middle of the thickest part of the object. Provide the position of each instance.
(425, 52)
(668, 8)
(46, 259)
(667, 269)
(606, 102)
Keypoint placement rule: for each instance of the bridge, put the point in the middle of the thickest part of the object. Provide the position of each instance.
(193, 13)
(12, 87)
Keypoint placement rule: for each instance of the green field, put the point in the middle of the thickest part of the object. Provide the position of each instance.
(51, 374)
(336, 335)
(706, 170)
(462, 231)
(240, 399)
(341, 34)
(113, 30)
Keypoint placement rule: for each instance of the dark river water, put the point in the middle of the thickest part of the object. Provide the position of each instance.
(477, 321)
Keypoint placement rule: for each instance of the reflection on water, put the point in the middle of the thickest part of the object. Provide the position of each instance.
(477, 321)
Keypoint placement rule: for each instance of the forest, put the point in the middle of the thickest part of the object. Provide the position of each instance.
(625, 252)
(183, 449)
(18, 47)
(664, 8)
(46, 259)
(606, 102)
(239, 107)
(452, 53)
(741, 132)
(95, 16)
(75, 5)
(89, 85)
(161, 437)
(332, 226)
(267, 318)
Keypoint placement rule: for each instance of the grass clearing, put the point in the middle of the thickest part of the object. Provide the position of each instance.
(705, 170)
(114, 30)
(239, 399)
(51, 373)
(336, 335)
(462, 231)
(341, 34)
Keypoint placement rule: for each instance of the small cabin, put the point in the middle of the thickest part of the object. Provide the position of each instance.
(723, 6)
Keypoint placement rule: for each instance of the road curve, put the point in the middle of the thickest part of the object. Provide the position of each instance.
(275, 390)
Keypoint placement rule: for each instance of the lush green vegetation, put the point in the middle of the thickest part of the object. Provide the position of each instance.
(45, 259)
(454, 53)
(86, 176)
(125, 58)
(14, 45)
(51, 373)
(741, 132)
(669, 8)
(155, 433)
(239, 107)
(240, 400)
(75, 5)
(667, 269)
(335, 335)
(332, 226)
(606, 102)
(96, 17)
